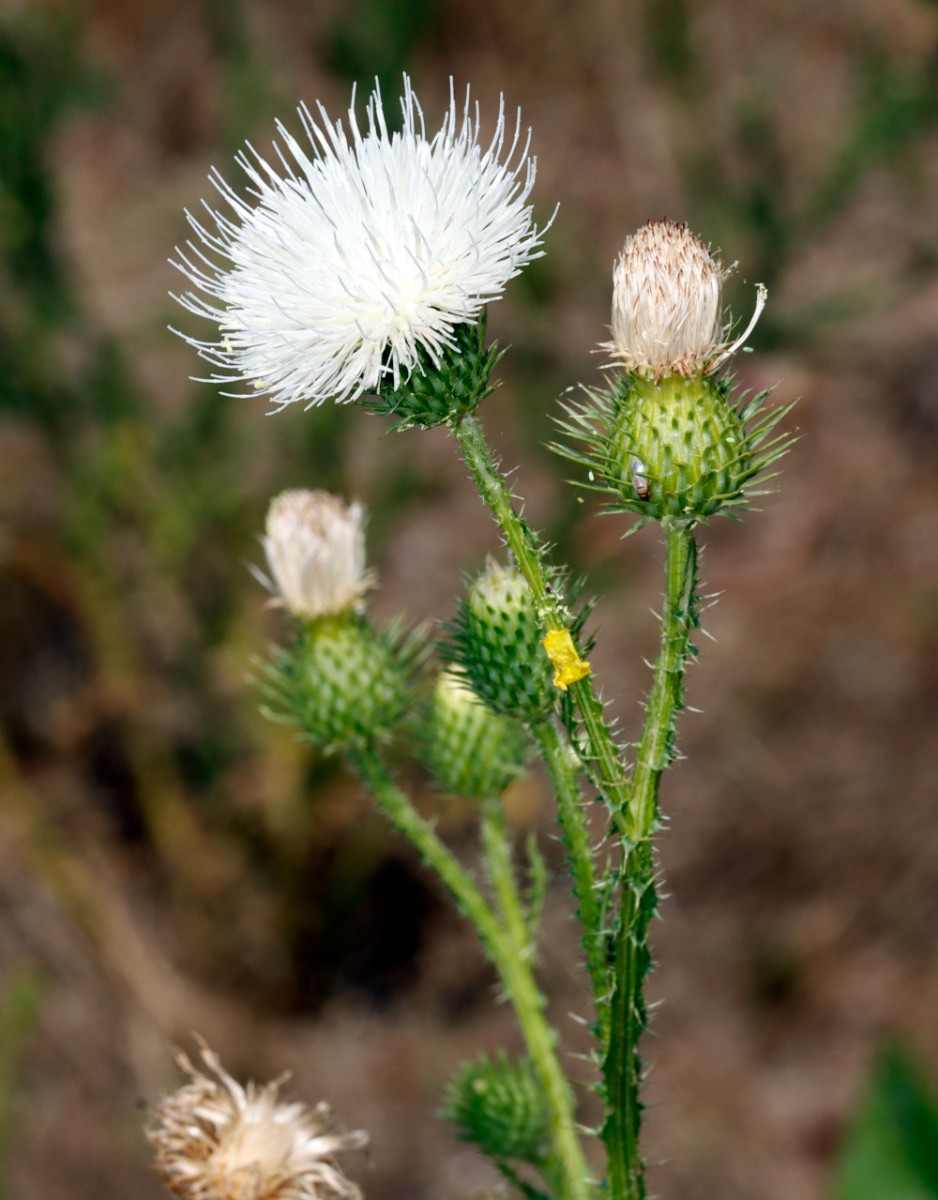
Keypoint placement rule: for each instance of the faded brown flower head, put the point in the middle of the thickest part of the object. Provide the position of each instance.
(315, 547)
(217, 1140)
(667, 304)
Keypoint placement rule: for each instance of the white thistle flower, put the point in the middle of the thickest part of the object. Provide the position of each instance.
(217, 1140)
(358, 248)
(667, 304)
(315, 547)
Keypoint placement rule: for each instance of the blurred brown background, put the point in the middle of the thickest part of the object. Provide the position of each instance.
(171, 862)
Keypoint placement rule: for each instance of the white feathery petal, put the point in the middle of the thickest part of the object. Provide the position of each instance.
(359, 248)
(315, 548)
(667, 305)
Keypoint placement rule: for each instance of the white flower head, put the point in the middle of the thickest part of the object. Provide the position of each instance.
(667, 304)
(217, 1140)
(315, 547)
(358, 248)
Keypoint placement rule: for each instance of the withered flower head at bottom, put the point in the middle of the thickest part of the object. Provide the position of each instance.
(217, 1140)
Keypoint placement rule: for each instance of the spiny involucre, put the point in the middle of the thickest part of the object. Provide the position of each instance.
(358, 248)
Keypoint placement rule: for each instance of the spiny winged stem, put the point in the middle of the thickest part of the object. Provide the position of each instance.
(508, 945)
(562, 768)
(605, 756)
(622, 1069)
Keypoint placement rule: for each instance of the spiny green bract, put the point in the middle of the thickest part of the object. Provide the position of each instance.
(674, 448)
(469, 750)
(440, 393)
(495, 640)
(498, 1105)
(346, 685)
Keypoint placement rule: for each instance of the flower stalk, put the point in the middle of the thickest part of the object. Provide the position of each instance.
(562, 768)
(604, 758)
(622, 1068)
(507, 944)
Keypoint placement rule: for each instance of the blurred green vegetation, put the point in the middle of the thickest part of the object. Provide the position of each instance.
(891, 1148)
(151, 516)
(20, 1006)
(759, 208)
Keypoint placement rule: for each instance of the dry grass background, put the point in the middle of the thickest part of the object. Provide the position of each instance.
(170, 863)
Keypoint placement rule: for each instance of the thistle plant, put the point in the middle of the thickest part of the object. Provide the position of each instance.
(358, 269)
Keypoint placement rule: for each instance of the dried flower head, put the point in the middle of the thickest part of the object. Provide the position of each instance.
(667, 304)
(315, 546)
(217, 1140)
(359, 248)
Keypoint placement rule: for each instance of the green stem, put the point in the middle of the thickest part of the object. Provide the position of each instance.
(622, 1066)
(605, 756)
(497, 848)
(561, 767)
(656, 748)
(501, 942)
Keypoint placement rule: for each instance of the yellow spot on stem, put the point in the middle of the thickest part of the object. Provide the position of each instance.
(563, 654)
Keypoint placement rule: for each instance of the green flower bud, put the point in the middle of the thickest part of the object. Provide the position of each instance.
(496, 642)
(499, 1106)
(343, 684)
(442, 387)
(667, 440)
(469, 750)
(679, 447)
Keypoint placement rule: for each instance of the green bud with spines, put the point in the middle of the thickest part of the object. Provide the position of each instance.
(498, 1105)
(344, 685)
(676, 447)
(469, 750)
(495, 641)
(441, 389)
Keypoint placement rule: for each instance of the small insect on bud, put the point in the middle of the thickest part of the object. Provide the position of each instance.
(315, 547)
(217, 1140)
(640, 479)
(667, 305)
